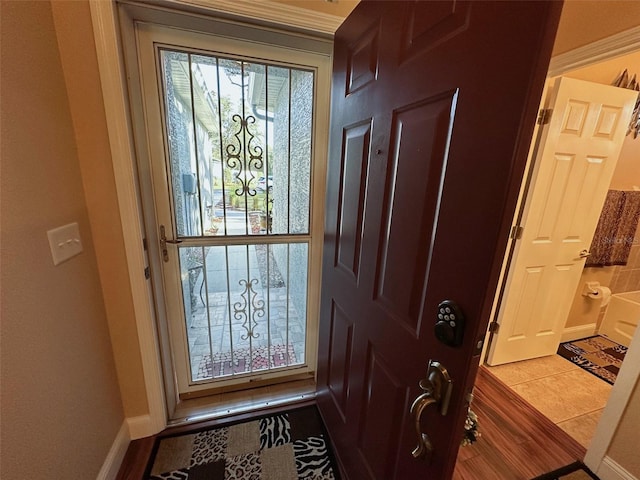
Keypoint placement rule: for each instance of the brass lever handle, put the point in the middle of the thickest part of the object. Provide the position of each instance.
(163, 243)
(437, 391)
(584, 253)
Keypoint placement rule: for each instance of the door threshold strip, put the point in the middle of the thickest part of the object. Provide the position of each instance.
(242, 402)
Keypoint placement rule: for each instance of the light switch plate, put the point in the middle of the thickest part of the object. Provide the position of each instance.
(64, 242)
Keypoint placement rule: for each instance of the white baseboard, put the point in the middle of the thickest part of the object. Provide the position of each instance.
(611, 470)
(140, 426)
(112, 463)
(131, 429)
(576, 333)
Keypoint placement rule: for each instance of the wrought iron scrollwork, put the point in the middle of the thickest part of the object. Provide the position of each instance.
(244, 160)
(249, 308)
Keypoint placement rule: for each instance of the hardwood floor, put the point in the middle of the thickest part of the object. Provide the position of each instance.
(566, 394)
(517, 442)
(136, 459)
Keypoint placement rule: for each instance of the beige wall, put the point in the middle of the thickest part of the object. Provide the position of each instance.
(627, 174)
(583, 22)
(72, 21)
(60, 401)
(605, 72)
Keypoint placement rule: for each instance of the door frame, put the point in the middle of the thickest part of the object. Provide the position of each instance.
(596, 459)
(500, 348)
(114, 89)
(144, 101)
(111, 64)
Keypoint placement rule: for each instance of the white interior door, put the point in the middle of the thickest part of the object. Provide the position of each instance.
(233, 151)
(573, 169)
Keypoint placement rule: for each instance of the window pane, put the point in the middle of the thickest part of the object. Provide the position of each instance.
(298, 268)
(278, 79)
(207, 108)
(239, 145)
(245, 307)
(182, 147)
(300, 150)
(200, 331)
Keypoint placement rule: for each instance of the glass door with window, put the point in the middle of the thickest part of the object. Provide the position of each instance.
(233, 178)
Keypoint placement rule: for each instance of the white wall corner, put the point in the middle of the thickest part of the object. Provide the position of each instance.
(596, 458)
(112, 463)
(609, 469)
(576, 333)
(141, 426)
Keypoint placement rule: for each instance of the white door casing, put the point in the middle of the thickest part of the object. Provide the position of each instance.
(148, 38)
(573, 169)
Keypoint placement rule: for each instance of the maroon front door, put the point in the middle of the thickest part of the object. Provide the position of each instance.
(433, 108)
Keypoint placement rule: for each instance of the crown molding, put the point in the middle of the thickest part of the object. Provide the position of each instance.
(265, 11)
(616, 45)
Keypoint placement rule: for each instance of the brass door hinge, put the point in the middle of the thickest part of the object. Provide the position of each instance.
(516, 232)
(494, 327)
(544, 116)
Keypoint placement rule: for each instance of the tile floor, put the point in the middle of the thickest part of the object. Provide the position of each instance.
(566, 394)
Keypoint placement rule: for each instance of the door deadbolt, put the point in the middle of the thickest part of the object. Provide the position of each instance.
(449, 327)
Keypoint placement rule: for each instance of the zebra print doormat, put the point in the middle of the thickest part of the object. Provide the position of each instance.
(575, 471)
(288, 446)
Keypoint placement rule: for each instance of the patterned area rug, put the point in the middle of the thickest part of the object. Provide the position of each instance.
(245, 360)
(288, 446)
(597, 355)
